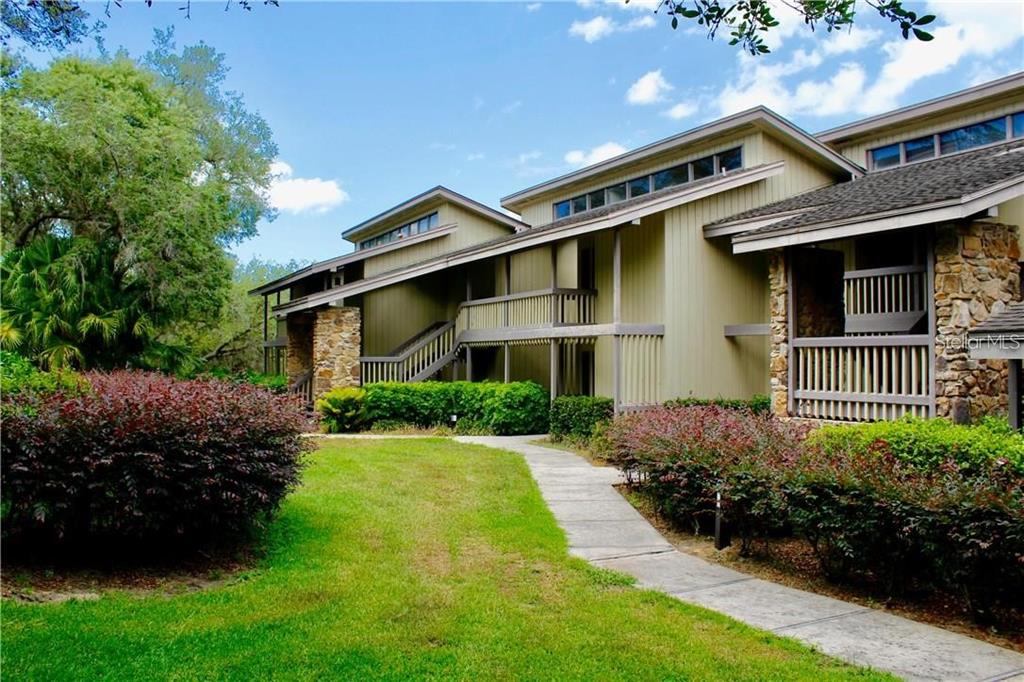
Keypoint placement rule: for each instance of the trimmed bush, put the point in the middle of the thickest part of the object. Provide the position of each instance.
(899, 512)
(503, 409)
(144, 456)
(759, 404)
(929, 442)
(342, 410)
(278, 383)
(577, 417)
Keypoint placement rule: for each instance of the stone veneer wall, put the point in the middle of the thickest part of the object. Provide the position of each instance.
(977, 272)
(336, 349)
(299, 327)
(778, 333)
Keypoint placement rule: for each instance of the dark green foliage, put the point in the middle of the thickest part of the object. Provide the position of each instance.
(143, 456)
(341, 409)
(577, 417)
(748, 21)
(910, 506)
(930, 442)
(759, 404)
(503, 409)
(278, 383)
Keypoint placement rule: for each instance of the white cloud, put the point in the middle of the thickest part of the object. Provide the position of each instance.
(648, 89)
(579, 157)
(601, 27)
(442, 146)
(529, 156)
(593, 30)
(681, 110)
(475, 156)
(512, 107)
(965, 32)
(478, 102)
(533, 6)
(853, 39)
(299, 195)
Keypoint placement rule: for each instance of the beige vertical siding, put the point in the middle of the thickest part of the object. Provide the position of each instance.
(1012, 213)
(531, 269)
(394, 314)
(472, 229)
(708, 287)
(857, 150)
(540, 212)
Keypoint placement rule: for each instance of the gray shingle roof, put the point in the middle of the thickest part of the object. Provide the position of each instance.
(1008, 321)
(904, 187)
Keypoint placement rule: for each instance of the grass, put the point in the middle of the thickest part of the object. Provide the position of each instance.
(400, 559)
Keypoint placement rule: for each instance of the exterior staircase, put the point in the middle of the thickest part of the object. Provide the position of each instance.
(417, 359)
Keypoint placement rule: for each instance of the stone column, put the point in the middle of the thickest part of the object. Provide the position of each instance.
(976, 274)
(336, 348)
(778, 292)
(299, 360)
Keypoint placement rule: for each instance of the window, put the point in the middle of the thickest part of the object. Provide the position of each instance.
(640, 186)
(704, 167)
(730, 160)
(975, 135)
(617, 193)
(921, 148)
(948, 142)
(670, 177)
(885, 157)
(402, 231)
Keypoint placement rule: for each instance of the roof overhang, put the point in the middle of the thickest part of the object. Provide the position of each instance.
(535, 237)
(333, 264)
(760, 118)
(423, 202)
(996, 88)
(944, 211)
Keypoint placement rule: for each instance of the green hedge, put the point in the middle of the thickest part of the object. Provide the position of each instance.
(18, 374)
(576, 417)
(929, 442)
(503, 409)
(759, 404)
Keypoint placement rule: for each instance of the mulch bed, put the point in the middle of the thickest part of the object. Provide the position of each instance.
(58, 579)
(789, 561)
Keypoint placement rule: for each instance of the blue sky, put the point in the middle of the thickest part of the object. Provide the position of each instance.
(372, 103)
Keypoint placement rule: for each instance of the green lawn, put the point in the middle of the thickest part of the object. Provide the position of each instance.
(400, 559)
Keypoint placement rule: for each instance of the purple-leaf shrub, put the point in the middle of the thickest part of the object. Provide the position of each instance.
(145, 456)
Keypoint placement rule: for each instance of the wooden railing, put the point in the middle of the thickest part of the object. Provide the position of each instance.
(303, 386)
(878, 291)
(861, 378)
(417, 362)
(543, 308)
(640, 370)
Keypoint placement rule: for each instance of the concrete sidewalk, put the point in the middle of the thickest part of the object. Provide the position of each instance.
(605, 529)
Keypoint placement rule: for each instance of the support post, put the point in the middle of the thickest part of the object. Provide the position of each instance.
(787, 263)
(929, 287)
(554, 284)
(616, 319)
(507, 360)
(554, 368)
(508, 286)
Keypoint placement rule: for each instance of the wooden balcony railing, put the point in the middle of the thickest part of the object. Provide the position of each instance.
(898, 289)
(543, 308)
(861, 378)
(640, 370)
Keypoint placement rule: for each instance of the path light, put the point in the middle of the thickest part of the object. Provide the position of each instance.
(723, 536)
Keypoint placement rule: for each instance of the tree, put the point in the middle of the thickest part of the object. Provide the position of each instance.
(748, 21)
(235, 341)
(117, 203)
